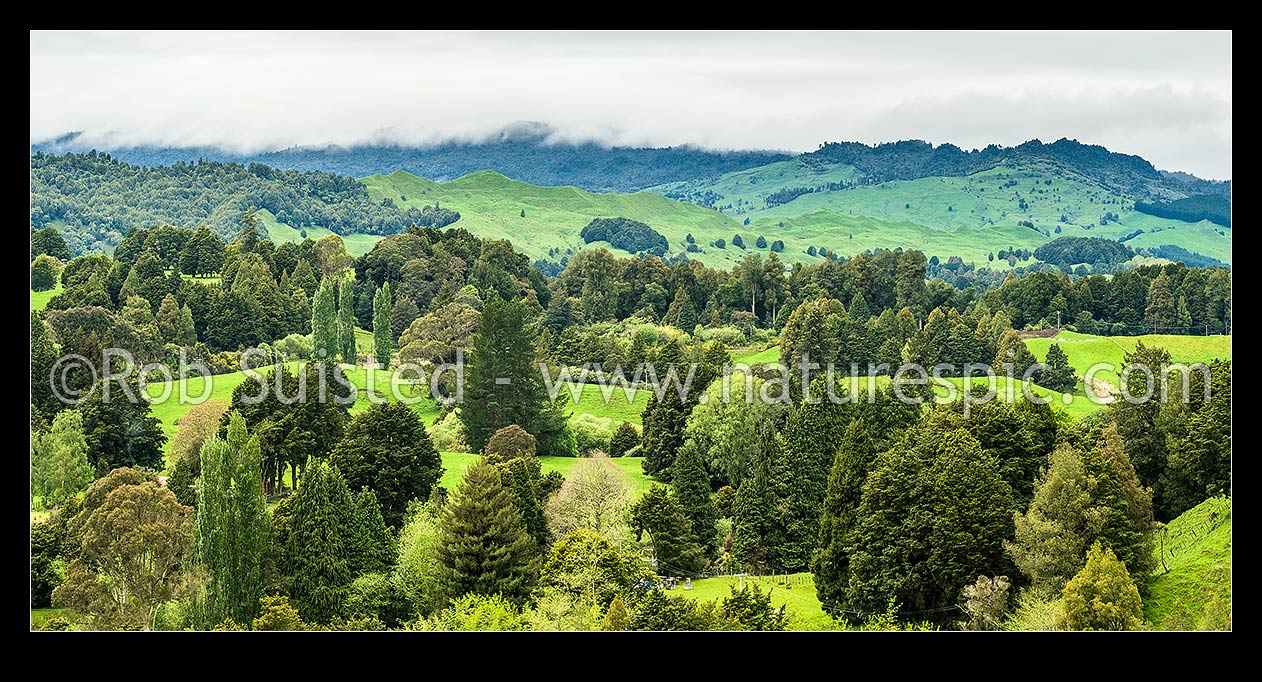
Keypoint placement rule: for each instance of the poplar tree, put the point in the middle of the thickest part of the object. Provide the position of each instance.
(382, 335)
(324, 335)
(346, 321)
(232, 524)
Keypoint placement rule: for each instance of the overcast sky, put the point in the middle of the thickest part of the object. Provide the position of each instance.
(1164, 96)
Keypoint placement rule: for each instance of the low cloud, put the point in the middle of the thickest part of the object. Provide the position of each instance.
(1166, 97)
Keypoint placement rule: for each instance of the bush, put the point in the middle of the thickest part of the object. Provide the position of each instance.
(508, 443)
(626, 234)
(727, 335)
(623, 439)
(448, 434)
(1102, 596)
(474, 612)
(591, 432)
(295, 347)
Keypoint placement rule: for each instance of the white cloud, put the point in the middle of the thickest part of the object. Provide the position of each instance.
(1164, 96)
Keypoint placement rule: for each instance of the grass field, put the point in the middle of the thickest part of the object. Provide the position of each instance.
(1198, 556)
(169, 410)
(794, 592)
(356, 244)
(41, 616)
(753, 356)
(39, 299)
(456, 463)
(592, 401)
(1085, 350)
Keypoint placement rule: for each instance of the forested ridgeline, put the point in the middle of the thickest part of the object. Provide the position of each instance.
(96, 199)
(912, 159)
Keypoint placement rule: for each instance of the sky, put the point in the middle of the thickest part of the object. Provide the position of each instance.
(1165, 96)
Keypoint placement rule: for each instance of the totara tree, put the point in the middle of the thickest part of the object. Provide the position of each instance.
(624, 438)
(754, 523)
(1102, 596)
(122, 430)
(1199, 463)
(483, 547)
(1059, 374)
(370, 546)
(933, 516)
(691, 484)
(675, 550)
(830, 563)
(387, 449)
(812, 435)
(502, 381)
(317, 549)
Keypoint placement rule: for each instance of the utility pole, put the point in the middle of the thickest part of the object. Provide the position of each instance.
(1058, 319)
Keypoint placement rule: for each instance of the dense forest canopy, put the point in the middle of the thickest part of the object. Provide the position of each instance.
(1212, 207)
(514, 510)
(96, 199)
(626, 234)
(1073, 250)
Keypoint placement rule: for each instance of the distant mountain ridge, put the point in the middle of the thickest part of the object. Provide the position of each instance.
(523, 154)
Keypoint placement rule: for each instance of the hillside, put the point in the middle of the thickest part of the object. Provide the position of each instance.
(1191, 588)
(490, 205)
(94, 199)
(1016, 199)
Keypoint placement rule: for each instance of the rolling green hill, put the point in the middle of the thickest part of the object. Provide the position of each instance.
(969, 216)
(983, 209)
(1191, 588)
(490, 205)
(1085, 350)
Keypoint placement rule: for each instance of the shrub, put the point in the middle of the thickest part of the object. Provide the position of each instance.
(591, 432)
(623, 439)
